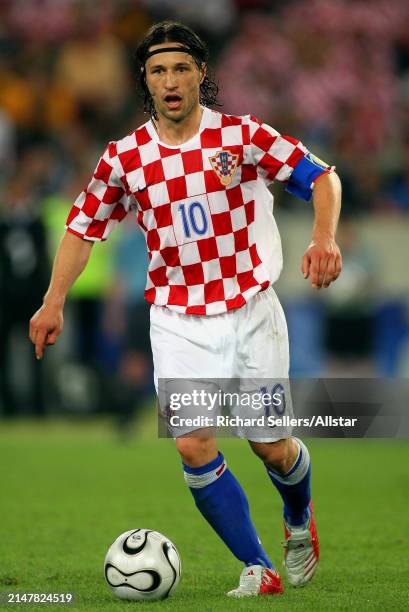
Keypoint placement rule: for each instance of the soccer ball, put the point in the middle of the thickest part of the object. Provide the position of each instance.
(142, 565)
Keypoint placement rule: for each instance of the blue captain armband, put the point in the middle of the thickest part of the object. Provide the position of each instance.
(306, 171)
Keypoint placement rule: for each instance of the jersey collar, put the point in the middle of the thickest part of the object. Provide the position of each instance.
(204, 123)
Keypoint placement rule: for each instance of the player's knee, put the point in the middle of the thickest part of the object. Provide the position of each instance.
(196, 451)
(275, 454)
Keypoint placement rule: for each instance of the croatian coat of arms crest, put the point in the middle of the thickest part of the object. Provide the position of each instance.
(224, 163)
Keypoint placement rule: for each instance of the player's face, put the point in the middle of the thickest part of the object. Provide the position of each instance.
(173, 80)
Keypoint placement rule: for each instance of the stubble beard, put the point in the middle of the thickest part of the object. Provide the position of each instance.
(170, 116)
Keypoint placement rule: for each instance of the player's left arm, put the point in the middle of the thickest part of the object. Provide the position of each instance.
(322, 261)
(286, 159)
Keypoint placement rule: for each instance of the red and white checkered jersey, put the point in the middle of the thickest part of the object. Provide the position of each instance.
(203, 206)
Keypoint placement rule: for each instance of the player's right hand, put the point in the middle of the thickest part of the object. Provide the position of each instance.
(45, 327)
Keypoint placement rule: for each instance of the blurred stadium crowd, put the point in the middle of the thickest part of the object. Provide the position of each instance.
(335, 74)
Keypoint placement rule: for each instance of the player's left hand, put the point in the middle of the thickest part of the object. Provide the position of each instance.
(322, 262)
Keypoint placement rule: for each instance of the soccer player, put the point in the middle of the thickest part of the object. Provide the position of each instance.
(197, 180)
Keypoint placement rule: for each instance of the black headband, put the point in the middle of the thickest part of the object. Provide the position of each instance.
(166, 49)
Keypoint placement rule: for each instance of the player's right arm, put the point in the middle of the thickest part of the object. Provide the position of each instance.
(93, 215)
(70, 260)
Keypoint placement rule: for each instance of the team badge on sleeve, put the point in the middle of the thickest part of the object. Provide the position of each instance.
(224, 163)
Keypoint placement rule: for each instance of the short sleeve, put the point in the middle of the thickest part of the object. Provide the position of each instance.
(285, 159)
(103, 203)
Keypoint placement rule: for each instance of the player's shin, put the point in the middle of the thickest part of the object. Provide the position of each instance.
(223, 503)
(294, 487)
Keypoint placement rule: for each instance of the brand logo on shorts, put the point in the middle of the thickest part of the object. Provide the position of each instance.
(224, 163)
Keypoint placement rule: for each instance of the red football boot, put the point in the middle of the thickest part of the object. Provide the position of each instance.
(257, 580)
(302, 551)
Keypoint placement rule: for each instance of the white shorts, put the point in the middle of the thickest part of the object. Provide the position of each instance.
(249, 343)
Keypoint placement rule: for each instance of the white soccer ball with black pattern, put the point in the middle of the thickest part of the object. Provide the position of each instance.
(142, 565)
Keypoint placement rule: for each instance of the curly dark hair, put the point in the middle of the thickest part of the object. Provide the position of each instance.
(174, 32)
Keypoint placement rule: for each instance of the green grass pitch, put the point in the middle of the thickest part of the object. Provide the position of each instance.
(68, 489)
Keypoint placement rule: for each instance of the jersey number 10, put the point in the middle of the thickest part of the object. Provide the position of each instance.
(194, 219)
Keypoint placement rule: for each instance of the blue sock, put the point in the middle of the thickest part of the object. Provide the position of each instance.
(294, 487)
(223, 503)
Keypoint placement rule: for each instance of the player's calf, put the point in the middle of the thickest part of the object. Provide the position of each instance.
(301, 540)
(221, 500)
